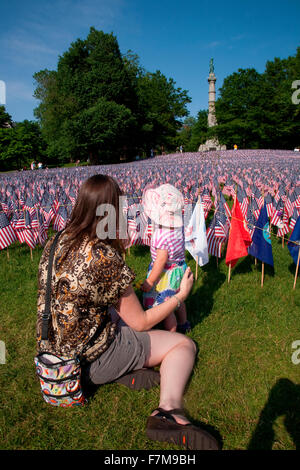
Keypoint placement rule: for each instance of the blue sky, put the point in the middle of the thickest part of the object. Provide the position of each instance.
(176, 37)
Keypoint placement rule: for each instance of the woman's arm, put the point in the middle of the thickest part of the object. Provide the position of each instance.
(157, 268)
(131, 311)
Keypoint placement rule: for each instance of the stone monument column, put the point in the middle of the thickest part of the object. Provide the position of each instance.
(212, 120)
(211, 144)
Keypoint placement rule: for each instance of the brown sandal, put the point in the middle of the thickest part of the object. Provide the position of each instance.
(164, 427)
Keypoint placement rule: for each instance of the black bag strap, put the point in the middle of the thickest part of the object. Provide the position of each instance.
(47, 311)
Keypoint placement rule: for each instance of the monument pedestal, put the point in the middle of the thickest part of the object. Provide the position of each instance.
(211, 145)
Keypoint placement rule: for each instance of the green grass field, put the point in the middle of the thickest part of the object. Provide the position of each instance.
(244, 387)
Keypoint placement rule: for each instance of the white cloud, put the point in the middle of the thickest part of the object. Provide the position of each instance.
(23, 49)
(212, 45)
(24, 46)
(61, 17)
(48, 30)
(18, 90)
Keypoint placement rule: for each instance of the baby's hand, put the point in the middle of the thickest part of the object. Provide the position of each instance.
(147, 286)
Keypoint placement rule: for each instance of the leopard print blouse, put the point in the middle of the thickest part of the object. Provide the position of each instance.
(85, 282)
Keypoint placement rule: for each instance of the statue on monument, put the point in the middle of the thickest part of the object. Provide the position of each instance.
(211, 66)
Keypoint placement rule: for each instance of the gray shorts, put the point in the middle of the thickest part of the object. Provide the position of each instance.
(128, 352)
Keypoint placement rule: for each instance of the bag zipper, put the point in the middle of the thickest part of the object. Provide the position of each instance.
(57, 381)
(58, 397)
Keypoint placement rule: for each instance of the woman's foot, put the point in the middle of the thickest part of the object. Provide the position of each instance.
(172, 426)
(177, 414)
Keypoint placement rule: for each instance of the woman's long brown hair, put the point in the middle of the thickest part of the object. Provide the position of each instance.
(96, 190)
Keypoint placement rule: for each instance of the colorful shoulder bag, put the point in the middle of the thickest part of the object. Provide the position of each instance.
(59, 378)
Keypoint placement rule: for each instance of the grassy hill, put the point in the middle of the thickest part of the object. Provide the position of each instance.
(244, 386)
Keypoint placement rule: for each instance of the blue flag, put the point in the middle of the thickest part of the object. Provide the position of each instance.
(261, 247)
(294, 241)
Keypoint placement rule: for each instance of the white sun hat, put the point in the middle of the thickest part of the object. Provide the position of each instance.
(164, 205)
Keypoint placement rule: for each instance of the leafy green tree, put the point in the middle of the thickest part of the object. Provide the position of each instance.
(87, 104)
(199, 131)
(5, 118)
(20, 145)
(194, 132)
(185, 133)
(162, 106)
(256, 110)
(282, 116)
(239, 109)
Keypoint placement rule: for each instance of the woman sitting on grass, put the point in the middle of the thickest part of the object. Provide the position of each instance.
(89, 276)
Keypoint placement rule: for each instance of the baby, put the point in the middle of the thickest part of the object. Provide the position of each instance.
(164, 206)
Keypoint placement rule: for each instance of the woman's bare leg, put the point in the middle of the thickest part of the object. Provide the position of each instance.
(176, 355)
(181, 314)
(170, 323)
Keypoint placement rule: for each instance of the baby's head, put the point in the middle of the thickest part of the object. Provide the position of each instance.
(164, 205)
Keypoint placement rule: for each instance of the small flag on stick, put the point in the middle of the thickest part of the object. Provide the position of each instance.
(261, 247)
(195, 236)
(239, 237)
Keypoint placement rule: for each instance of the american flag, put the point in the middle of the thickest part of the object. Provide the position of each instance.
(5, 207)
(228, 188)
(214, 188)
(269, 205)
(223, 205)
(243, 200)
(293, 198)
(29, 205)
(60, 219)
(251, 220)
(258, 197)
(285, 228)
(289, 204)
(222, 223)
(49, 210)
(133, 222)
(206, 201)
(72, 196)
(7, 234)
(28, 230)
(133, 232)
(294, 218)
(40, 232)
(279, 193)
(278, 213)
(214, 244)
(147, 232)
(139, 226)
(297, 192)
(18, 224)
(217, 233)
(254, 207)
(29, 237)
(56, 204)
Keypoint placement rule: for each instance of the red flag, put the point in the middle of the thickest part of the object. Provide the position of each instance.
(239, 236)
